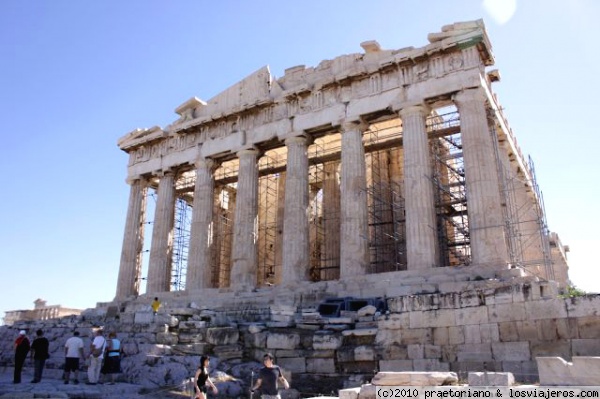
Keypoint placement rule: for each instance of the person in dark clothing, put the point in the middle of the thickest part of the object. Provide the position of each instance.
(39, 354)
(21, 350)
(203, 380)
(267, 379)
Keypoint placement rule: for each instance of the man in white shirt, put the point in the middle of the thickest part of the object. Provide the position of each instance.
(73, 352)
(96, 356)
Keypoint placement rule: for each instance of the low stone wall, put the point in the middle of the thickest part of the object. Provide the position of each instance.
(486, 326)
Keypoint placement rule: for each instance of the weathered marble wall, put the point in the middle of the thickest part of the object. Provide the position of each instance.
(494, 326)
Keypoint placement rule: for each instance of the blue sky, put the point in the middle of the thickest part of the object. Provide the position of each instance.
(75, 76)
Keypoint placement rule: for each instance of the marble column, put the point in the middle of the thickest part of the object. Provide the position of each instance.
(278, 252)
(397, 181)
(330, 262)
(486, 226)
(354, 250)
(159, 268)
(295, 220)
(130, 269)
(201, 234)
(245, 229)
(421, 246)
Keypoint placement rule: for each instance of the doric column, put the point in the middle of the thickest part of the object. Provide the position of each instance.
(159, 268)
(245, 229)
(130, 268)
(278, 250)
(330, 254)
(397, 181)
(354, 250)
(296, 259)
(201, 234)
(421, 247)
(486, 227)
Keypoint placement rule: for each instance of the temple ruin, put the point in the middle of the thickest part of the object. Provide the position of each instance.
(371, 214)
(40, 311)
(384, 161)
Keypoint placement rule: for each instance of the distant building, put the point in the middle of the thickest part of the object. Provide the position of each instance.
(41, 311)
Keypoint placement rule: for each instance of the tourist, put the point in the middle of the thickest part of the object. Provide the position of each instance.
(96, 357)
(22, 347)
(73, 352)
(112, 360)
(268, 376)
(155, 305)
(202, 380)
(39, 354)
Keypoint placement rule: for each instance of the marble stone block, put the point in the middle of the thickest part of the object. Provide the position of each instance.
(583, 370)
(491, 379)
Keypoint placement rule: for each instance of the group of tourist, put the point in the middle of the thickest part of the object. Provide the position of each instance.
(104, 356)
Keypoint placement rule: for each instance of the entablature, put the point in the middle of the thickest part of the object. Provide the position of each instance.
(259, 109)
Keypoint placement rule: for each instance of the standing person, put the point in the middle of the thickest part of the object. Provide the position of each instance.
(22, 347)
(155, 305)
(39, 354)
(268, 376)
(73, 352)
(96, 357)
(112, 361)
(202, 380)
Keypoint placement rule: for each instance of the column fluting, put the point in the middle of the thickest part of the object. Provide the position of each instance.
(245, 229)
(130, 268)
(201, 234)
(486, 227)
(295, 219)
(354, 254)
(159, 268)
(421, 245)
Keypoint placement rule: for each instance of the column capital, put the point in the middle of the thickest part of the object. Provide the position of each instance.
(207, 163)
(422, 109)
(466, 95)
(135, 179)
(247, 151)
(165, 172)
(348, 125)
(300, 139)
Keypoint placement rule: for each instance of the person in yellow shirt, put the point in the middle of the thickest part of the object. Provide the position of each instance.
(155, 305)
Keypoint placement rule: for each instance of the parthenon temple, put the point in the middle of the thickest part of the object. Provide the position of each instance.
(393, 162)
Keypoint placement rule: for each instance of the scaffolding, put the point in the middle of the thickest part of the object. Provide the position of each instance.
(525, 227)
(543, 230)
(315, 222)
(148, 206)
(223, 218)
(181, 239)
(385, 202)
(450, 197)
(270, 217)
(525, 222)
(324, 199)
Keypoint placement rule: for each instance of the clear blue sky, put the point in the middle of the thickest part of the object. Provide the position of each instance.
(75, 76)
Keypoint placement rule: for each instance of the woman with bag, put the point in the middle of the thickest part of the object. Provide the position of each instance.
(112, 360)
(202, 380)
